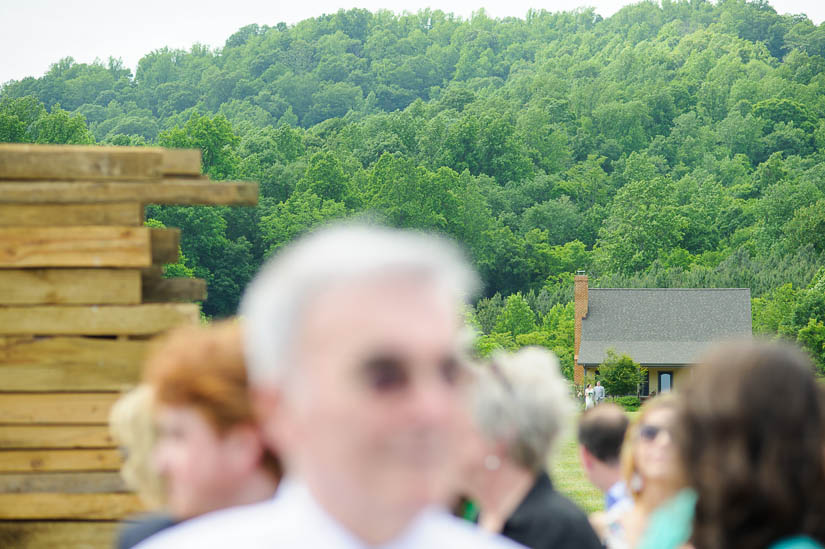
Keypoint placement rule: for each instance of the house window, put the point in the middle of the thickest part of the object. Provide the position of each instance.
(665, 382)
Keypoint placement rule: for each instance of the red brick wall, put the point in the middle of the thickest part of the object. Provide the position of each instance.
(580, 297)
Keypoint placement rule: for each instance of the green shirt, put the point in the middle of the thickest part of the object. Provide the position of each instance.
(671, 524)
(796, 542)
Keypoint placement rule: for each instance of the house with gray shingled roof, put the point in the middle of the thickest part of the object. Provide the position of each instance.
(664, 329)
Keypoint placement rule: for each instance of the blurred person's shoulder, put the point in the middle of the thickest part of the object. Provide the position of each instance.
(546, 518)
(293, 520)
(231, 527)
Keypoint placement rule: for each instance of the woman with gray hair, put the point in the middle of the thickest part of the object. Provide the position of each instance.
(519, 405)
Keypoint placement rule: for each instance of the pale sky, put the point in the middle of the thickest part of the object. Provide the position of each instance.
(36, 33)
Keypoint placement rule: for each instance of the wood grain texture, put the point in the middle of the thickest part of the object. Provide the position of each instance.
(74, 247)
(48, 535)
(181, 162)
(64, 483)
(147, 319)
(165, 246)
(68, 162)
(12, 461)
(168, 191)
(71, 215)
(174, 289)
(56, 408)
(70, 364)
(70, 287)
(54, 436)
(68, 506)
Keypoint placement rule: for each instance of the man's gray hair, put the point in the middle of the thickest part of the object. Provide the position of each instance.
(522, 400)
(274, 301)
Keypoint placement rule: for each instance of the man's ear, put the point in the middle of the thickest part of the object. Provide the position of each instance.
(585, 457)
(268, 403)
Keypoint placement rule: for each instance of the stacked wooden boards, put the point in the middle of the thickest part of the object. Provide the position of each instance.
(81, 294)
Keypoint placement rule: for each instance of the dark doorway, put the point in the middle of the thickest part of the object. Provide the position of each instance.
(644, 388)
(665, 382)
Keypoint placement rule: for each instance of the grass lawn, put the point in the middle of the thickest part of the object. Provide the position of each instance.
(568, 475)
(569, 478)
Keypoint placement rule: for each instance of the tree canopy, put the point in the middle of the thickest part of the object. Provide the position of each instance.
(673, 144)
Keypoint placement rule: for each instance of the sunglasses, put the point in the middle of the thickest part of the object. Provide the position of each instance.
(649, 433)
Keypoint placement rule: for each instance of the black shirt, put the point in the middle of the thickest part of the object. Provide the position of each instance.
(546, 519)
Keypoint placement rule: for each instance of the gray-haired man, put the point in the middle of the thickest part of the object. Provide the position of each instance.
(353, 347)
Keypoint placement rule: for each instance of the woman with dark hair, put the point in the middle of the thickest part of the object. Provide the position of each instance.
(753, 440)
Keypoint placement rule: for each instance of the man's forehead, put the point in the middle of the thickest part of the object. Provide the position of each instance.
(382, 305)
(378, 291)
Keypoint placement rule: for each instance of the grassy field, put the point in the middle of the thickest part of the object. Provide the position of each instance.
(569, 478)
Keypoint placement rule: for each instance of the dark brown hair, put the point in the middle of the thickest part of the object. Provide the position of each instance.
(754, 446)
(602, 430)
(203, 367)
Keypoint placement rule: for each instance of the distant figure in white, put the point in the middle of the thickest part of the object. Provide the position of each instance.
(589, 397)
(353, 344)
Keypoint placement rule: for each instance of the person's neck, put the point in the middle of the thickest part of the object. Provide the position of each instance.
(655, 494)
(610, 476)
(501, 493)
(258, 486)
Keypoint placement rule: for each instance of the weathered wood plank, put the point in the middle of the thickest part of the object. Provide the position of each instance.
(71, 215)
(181, 162)
(70, 287)
(169, 191)
(68, 506)
(54, 436)
(74, 247)
(174, 289)
(43, 534)
(68, 162)
(96, 320)
(70, 364)
(64, 483)
(165, 246)
(18, 461)
(56, 408)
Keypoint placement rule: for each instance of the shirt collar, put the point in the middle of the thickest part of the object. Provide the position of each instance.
(323, 530)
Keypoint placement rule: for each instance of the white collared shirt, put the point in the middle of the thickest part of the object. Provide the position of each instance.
(293, 519)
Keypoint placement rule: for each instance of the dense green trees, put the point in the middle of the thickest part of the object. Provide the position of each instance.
(669, 145)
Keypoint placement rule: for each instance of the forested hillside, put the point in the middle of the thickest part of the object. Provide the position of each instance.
(672, 145)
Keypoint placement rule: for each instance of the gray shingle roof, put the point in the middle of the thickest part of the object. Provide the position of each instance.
(662, 326)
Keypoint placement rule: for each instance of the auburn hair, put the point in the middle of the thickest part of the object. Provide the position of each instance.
(203, 367)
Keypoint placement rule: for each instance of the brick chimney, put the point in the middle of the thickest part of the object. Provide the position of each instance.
(580, 299)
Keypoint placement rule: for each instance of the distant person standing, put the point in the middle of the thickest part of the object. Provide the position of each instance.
(599, 393)
(589, 397)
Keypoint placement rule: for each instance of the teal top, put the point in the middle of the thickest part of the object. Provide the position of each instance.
(796, 542)
(671, 524)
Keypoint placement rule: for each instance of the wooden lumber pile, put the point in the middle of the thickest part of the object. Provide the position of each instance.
(81, 293)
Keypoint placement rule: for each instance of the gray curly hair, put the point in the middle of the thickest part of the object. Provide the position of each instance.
(522, 400)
